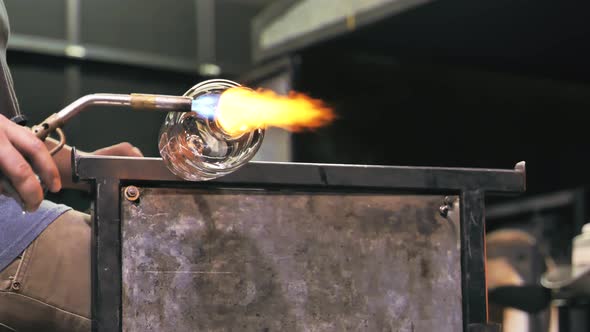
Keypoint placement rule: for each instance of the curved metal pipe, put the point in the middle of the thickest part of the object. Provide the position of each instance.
(105, 99)
(136, 101)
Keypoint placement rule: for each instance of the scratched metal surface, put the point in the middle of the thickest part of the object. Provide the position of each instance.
(252, 261)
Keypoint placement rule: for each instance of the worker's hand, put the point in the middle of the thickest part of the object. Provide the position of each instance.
(18, 147)
(122, 149)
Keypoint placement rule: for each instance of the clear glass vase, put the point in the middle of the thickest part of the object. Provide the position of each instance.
(195, 147)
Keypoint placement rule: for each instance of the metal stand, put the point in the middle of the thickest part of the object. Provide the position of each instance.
(108, 174)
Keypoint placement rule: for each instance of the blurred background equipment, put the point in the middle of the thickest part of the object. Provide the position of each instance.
(570, 286)
(514, 264)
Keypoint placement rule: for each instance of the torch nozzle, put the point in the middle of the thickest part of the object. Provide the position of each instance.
(206, 105)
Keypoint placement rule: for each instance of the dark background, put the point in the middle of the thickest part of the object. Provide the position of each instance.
(449, 83)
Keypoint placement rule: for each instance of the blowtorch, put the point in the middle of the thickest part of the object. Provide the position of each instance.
(191, 142)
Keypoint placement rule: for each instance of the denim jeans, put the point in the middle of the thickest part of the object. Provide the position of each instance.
(47, 288)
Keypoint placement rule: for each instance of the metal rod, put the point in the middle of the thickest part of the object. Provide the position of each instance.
(404, 178)
(94, 99)
(73, 23)
(72, 69)
(138, 101)
(205, 24)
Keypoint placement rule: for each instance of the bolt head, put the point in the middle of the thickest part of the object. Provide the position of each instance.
(443, 210)
(131, 193)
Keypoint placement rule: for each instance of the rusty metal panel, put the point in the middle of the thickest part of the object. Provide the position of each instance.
(236, 260)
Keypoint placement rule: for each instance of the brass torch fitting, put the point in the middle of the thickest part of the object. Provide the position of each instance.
(161, 102)
(46, 127)
(49, 125)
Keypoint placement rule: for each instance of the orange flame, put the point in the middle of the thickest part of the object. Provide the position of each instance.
(241, 110)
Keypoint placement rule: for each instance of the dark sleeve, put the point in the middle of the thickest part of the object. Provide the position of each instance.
(8, 102)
